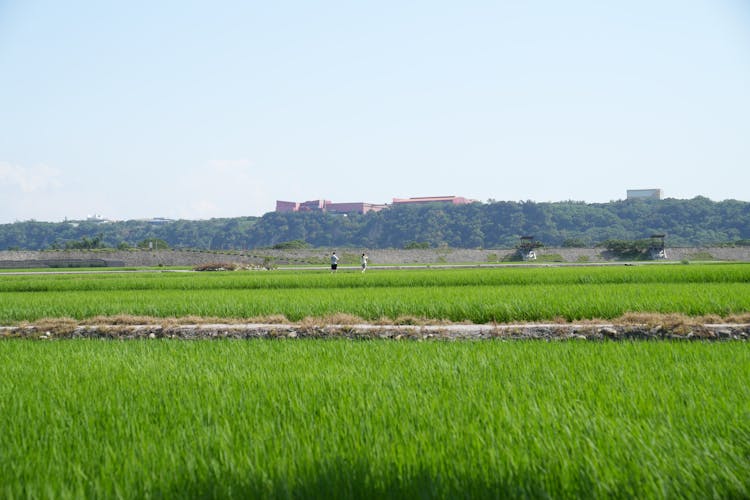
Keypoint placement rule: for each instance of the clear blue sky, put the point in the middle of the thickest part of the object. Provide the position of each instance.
(195, 110)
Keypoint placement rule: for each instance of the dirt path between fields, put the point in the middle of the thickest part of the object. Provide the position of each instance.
(541, 332)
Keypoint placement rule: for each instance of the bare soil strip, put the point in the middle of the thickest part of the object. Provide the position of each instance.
(446, 332)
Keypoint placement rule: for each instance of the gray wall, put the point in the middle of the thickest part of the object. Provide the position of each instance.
(350, 256)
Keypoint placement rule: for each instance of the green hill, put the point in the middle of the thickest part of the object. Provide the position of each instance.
(698, 221)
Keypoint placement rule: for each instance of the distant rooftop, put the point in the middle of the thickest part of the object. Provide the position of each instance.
(362, 207)
(455, 200)
(639, 194)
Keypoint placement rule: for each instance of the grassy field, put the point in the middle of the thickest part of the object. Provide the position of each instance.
(342, 419)
(376, 419)
(474, 295)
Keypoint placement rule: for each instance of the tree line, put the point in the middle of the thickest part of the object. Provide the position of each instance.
(695, 222)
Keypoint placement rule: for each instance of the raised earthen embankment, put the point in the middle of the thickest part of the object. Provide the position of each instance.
(269, 257)
(539, 332)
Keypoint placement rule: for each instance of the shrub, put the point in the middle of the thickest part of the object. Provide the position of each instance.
(291, 245)
(701, 256)
(216, 266)
(416, 245)
(627, 249)
(574, 243)
(550, 257)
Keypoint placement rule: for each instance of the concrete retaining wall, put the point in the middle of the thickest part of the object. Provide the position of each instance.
(349, 256)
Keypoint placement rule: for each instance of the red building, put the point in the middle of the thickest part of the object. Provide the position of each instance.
(287, 206)
(355, 207)
(314, 206)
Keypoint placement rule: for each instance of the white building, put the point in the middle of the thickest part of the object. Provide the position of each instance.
(640, 194)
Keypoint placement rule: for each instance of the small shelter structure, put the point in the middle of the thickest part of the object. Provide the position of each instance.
(526, 248)
(656, 249)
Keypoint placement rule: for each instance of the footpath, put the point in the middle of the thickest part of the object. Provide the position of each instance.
(452, 332)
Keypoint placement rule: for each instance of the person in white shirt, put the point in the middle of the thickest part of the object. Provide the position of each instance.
(334, 262)
(364, 262)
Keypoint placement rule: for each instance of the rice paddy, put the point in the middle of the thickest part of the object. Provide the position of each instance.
(376, 419)
(342, 419)
(465, 295)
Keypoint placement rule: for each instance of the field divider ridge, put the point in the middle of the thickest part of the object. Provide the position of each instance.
(447, 332)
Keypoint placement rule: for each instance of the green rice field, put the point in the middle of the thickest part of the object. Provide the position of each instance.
(478, 295)
(377, 419)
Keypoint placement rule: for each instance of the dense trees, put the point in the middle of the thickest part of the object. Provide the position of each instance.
(699, 221)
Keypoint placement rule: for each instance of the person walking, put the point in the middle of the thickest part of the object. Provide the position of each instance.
(334, 262)
(364, 262)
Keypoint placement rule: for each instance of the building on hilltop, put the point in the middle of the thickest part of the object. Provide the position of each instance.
(98, 219)
(641, 194)
(452, 200)
(361, 207)
(354, 207)
(287, 206)
(314, 206)
(158, 221)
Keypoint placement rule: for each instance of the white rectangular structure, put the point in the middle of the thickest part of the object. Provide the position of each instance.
(639, 194)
